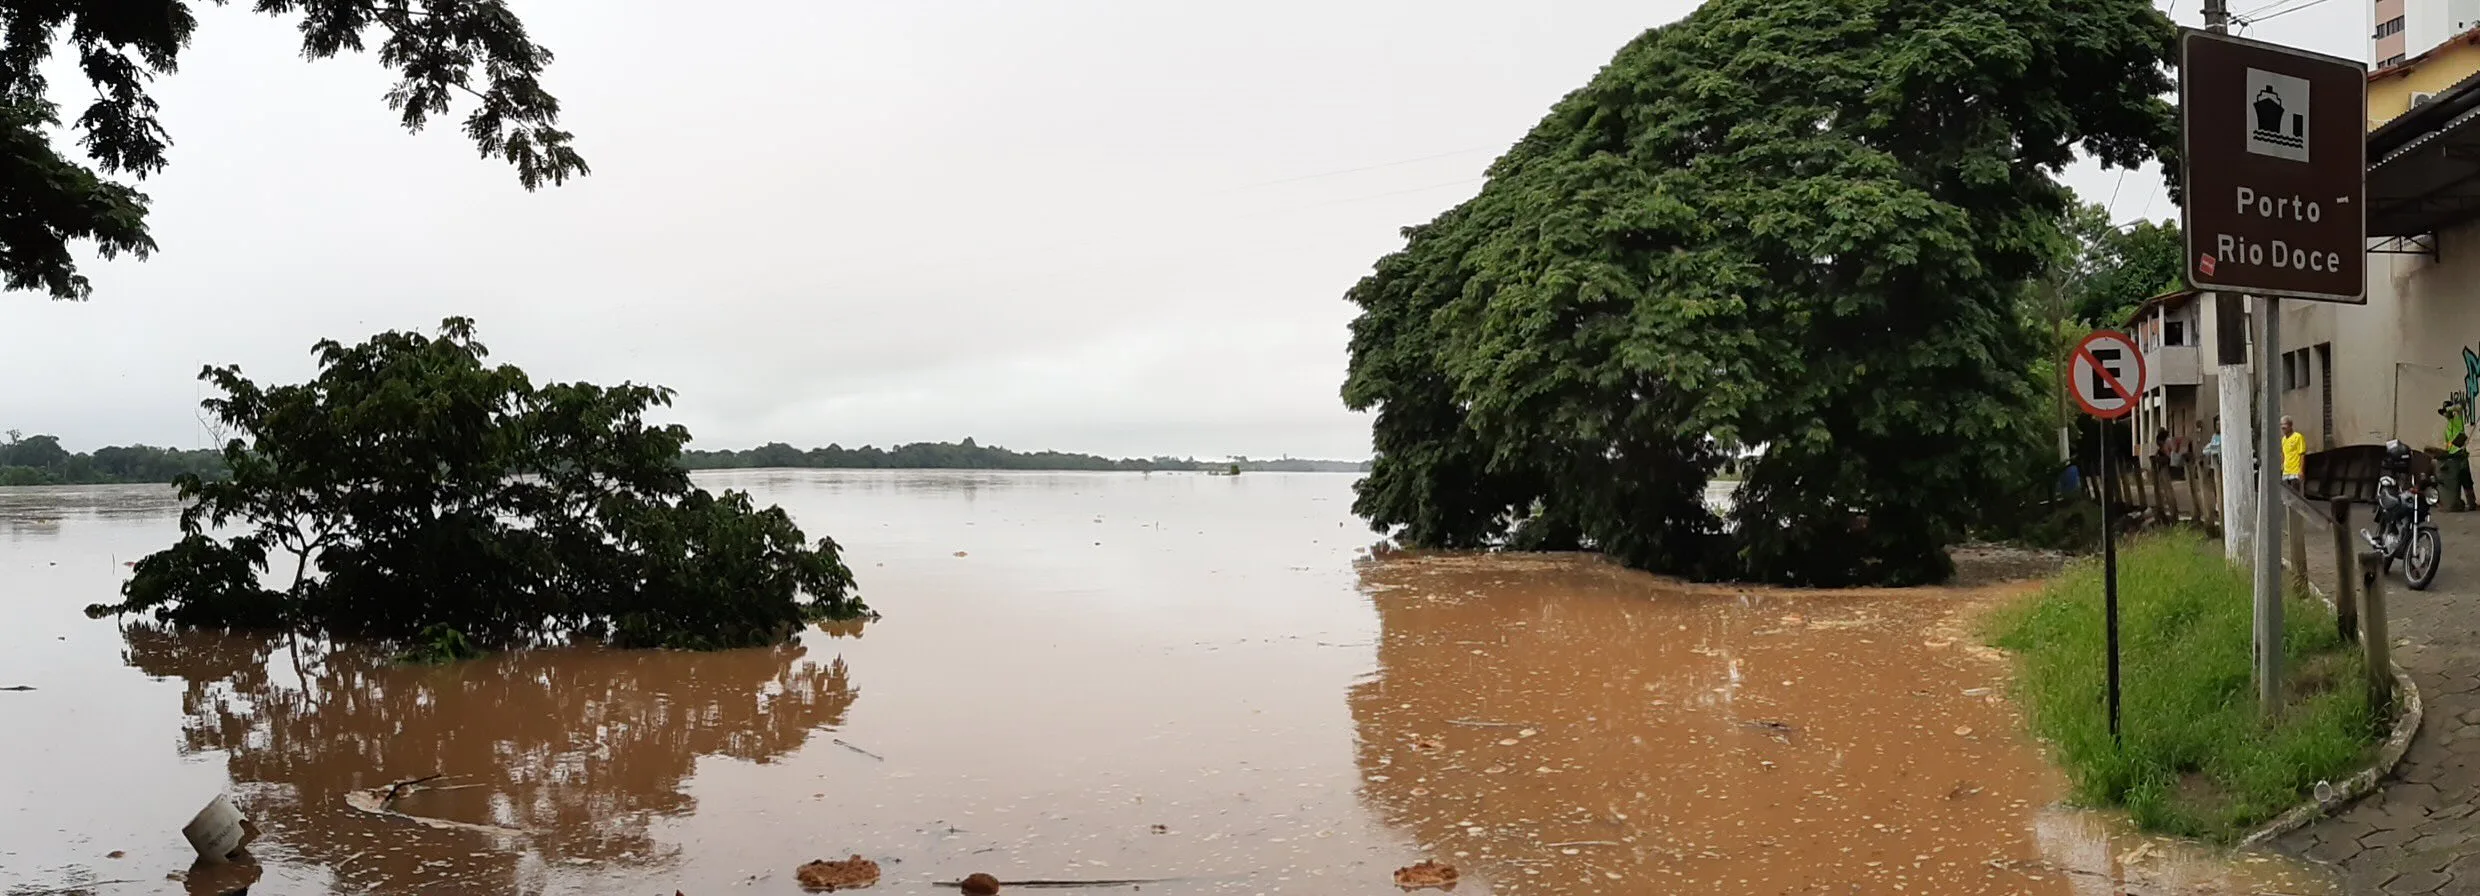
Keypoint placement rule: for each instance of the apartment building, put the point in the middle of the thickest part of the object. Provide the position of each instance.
(2402, 29)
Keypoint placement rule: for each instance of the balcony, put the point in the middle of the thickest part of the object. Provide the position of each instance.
(2173, 365)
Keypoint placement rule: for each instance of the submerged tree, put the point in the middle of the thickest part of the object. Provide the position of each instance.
(410, 486)
(441, 49)
(1799, 225)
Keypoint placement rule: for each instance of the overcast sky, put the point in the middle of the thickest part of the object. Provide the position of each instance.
(1118, 227)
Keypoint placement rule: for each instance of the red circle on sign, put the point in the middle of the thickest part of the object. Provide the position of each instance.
(2082, 363)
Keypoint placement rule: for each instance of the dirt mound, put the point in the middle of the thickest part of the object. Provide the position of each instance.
(1426, 875)
(828, 877)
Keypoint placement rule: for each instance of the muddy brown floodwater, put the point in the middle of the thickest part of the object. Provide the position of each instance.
(1206, 680)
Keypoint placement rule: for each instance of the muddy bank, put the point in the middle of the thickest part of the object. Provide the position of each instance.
(1557, 724)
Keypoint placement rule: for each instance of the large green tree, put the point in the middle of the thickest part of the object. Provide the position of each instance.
(412, 486)
(443, 51)
(1805, 225)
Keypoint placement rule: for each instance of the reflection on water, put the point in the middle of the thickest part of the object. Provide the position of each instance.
(581, 749)
(37, 512)
(1080, 676)
(1558, 725)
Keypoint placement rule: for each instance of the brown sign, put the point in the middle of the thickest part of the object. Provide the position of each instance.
(2276, 153)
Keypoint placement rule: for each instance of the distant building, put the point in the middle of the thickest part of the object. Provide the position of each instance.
(2420, 78)
(2403, 29)
(2180, 379)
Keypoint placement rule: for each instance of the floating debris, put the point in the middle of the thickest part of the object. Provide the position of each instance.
(849, 874)
(1780, 731)
(1426, 875)
(983, 884)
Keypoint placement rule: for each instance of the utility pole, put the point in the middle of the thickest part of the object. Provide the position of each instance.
(2232, 393)
(2252, 498)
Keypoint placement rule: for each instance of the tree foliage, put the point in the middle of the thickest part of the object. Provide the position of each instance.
(1804, 226)
(2115, 269)
(431, 489)
(438, 48)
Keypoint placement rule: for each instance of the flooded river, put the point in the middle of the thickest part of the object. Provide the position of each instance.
(1205, 680)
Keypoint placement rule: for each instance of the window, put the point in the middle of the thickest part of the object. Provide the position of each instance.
(2391, 61)
(2325, 402)
(2296, 373)
(2174, 333)
(2389, 28)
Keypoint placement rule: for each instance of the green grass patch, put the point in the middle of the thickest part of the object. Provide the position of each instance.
(2198, 760)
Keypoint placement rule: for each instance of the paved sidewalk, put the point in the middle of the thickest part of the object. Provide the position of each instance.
(2420, 833)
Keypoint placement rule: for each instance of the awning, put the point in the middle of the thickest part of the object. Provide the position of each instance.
(2424, 166)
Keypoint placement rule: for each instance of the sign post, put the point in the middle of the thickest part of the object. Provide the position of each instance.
(2108, 375)
(2275, 173)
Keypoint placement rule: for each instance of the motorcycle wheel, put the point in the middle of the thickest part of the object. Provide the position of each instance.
(2426, 554)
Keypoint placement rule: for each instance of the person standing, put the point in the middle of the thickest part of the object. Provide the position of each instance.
(2294, 456)
(2457, 464)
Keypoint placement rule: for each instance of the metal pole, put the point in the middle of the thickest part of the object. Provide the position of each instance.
(2066, 360)
(2269, 513)
(2217, 16)
(2109, 582)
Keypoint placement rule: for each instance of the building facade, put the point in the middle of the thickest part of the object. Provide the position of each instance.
(2402, 29)
(2353, 375)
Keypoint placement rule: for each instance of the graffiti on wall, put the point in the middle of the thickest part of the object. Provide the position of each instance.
(2461, 401)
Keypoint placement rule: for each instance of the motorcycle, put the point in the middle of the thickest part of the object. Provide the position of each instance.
(2405, 531)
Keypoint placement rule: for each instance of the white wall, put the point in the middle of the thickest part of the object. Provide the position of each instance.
(2401, 355)
(2461, 16)
(2426, 23)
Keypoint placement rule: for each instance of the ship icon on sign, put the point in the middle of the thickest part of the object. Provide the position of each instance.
(2277, 115)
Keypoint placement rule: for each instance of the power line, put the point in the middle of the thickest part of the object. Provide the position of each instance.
(2253, 19)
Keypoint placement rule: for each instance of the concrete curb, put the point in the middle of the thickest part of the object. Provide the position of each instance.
(2367, 780)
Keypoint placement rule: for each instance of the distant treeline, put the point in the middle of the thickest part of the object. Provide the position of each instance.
(39, 460)
(966, 455)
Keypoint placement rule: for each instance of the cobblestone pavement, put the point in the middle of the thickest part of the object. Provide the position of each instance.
(2420, 833)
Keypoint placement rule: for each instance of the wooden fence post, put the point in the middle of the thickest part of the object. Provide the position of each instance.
(2164, 495)
(2144, 502)
(2195, 494)
(2373, 637)
(2346, 573)
(2298, 538)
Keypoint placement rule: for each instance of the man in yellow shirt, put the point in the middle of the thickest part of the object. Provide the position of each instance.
(2294, 455)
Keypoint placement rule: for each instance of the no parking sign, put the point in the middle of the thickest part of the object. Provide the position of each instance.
(2107, 374)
